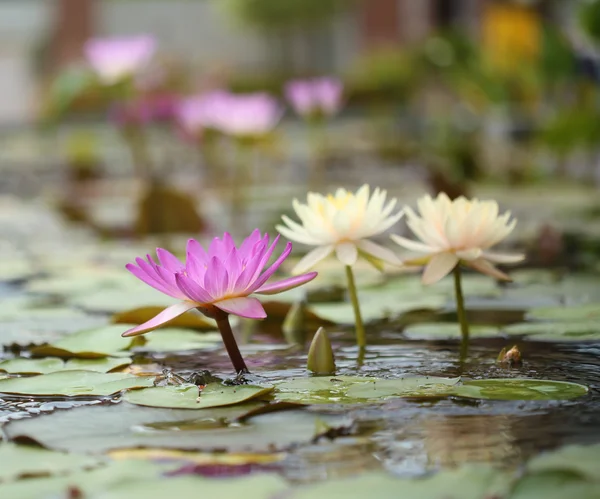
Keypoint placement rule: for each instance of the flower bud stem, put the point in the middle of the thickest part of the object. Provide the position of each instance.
(460, 308)
(230, 344)
(361, 338)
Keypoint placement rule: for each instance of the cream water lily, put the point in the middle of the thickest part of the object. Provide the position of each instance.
(342, 223)
(455, 232)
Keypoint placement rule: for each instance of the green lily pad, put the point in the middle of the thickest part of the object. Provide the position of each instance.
(73, 383)
(468, 482)
(90, 344)
(53, 364)
(190, 397)
(580, 330)
(446, 331)
(93, 481)
(20, 460)
(110, 301)
(572, 313)
(96, 429)
(179, 340)
(520, 389)
(554, 485)
(354, 389)
(583, 460)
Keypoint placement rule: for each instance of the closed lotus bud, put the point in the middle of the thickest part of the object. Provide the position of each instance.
(320, 354)
(294, 325)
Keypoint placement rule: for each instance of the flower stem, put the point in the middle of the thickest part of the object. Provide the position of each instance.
(230, 344)
(460, 309)
(361, 338)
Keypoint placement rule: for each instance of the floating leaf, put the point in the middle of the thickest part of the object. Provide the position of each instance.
(583, 460)
(582, 330)
(143, 314)
(202, 458)
(73, 383)
(20, 460)
(111, 301)
(520, 389)
(179, 340)
(572, 313)
(353, 389)
(90, 344)
(554, 485)
(98, 428)
(190, 397)
(446, 331)
(53, 364)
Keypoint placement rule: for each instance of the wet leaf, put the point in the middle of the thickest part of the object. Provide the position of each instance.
(20, 460)
(203, 458)
(354, 389)
(469, 482)
(143, 314)
(583, 460)
(90, 344)
(581, 330)
(98, 428)
(555, 485)
(53, 364)
(520, 389)
(446, 331)
(73, 383)
(572, 313)
(190, 397)
(111, 301)
(179, 340)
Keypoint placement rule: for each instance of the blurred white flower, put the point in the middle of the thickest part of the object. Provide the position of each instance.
(459, 231)
(342, 222)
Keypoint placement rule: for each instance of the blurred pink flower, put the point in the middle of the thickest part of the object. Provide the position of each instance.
(143, 110)
(220, 279)
(116, 58)
(319, 96)
(196, 113)
(238, 115)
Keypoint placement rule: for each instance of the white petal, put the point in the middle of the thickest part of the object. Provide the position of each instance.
(312, 258)
(438, 267)
(469, 254)
(411, 245)
(503, 257)
(378, 251)
(347, 253)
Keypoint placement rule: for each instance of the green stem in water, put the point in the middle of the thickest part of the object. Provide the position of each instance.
(230, 344)
(460, 309)
(361, 338)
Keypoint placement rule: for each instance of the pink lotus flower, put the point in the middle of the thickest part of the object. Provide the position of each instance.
(218, 281)
(199, 112)
(238, 115)
(318, 97)
(114, 59)
(143, 110)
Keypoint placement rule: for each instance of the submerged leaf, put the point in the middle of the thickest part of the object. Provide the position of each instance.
(520, 389)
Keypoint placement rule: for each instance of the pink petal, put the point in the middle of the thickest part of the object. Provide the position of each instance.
(216, 279)
(271, 270)
(169, 261)
(165, 316)
(244, 307)
(148, 274)
(285, 284)
(248, 244)
(192, 290)
(264, 260)
(438, 267)
(195, 268)
(233, 264)
(196, 249)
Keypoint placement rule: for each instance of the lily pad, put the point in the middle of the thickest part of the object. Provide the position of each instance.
(73, 383)
(583, 460)
(20, 460)
(97, 429)
(53, 364)
(111, 301)
(90, 344)
(190, 397)
(554, 485)
(179, 340)
(446, 331)
(573, 313)
(354, 389)
(581, 330)
(520, 389)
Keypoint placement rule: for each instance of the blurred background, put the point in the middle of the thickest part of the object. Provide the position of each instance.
(477, 97)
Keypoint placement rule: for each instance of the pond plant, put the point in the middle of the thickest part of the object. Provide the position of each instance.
(217, 282)
(454, 233)
(343, 223)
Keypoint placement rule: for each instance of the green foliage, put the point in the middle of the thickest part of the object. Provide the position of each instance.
(589, 19)
(276, 14)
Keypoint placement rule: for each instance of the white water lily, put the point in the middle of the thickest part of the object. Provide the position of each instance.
(459, 231)
(342, 222)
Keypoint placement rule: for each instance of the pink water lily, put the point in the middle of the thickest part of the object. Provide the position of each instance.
(116, 58)
(217, 281)
(316, 97)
